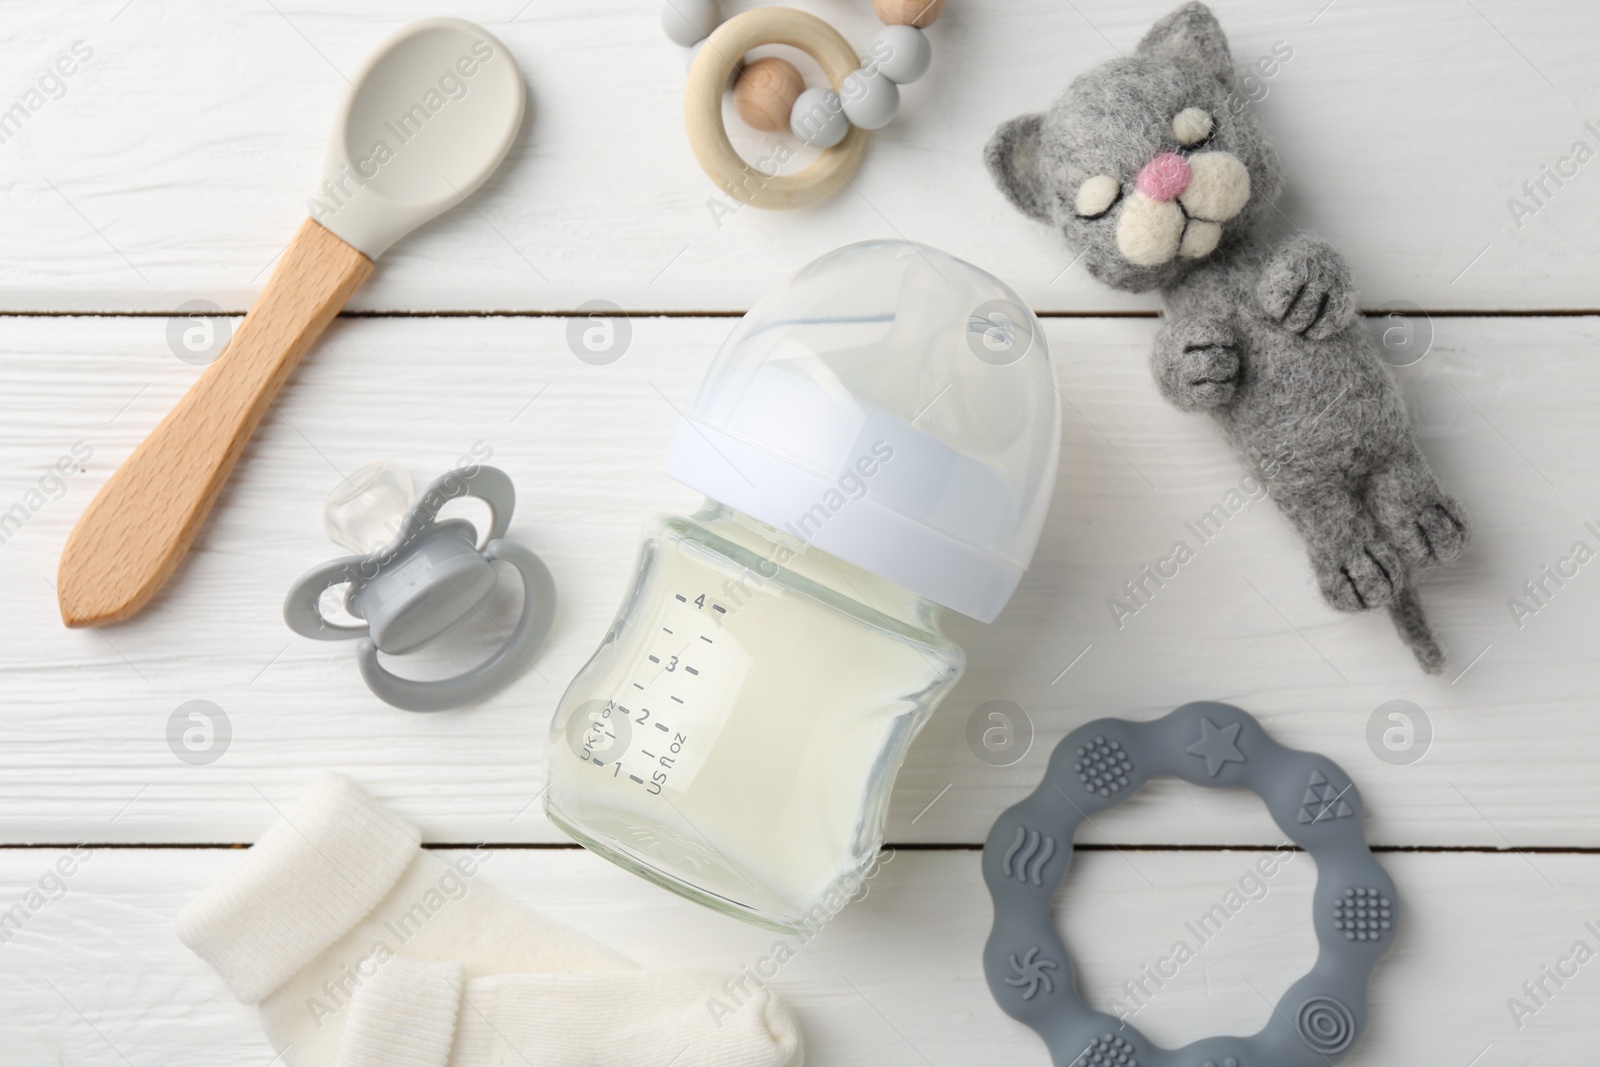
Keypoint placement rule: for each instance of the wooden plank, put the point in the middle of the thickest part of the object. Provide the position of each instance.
(85, 756)
(97, 976)
(1405, 131)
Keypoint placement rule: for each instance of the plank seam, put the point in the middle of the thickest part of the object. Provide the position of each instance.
(557, 846)
(648, 313)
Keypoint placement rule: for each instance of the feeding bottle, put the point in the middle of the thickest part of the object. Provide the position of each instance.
(876, 440)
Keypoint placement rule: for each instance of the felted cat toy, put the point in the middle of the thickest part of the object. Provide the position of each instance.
(1159, 175)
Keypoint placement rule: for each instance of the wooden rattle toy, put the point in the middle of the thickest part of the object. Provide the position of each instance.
(770, 94)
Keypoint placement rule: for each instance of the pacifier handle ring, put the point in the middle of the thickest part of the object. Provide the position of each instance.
(302, 608)
(489, 484)
(488, 677)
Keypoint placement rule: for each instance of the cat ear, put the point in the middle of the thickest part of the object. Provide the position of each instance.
(1012, 156)
(1190, 37)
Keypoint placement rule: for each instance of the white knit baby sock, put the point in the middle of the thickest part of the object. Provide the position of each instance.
(329, 898)
(416, 1014)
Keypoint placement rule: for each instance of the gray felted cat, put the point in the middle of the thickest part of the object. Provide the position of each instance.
(1160, 177)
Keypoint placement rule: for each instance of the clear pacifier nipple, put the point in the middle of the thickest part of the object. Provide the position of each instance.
(365, 510)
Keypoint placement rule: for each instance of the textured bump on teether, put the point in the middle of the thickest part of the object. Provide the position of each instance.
(1323, 801)
(1362, 914)
(1028, 855)
(1032, 973)
(1108, 1050)
(1217, 746)
(1327, 1025)
(1103, 766)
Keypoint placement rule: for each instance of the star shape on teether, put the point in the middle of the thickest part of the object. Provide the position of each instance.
(1217, 745)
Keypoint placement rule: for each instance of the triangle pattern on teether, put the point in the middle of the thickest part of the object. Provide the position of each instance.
(1322, 801)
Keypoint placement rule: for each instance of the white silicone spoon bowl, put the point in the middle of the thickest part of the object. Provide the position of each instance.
(433, 113)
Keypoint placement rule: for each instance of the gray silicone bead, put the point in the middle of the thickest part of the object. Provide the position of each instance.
(1029, 853)
(870, 99)
(903, 53)
(688, 22)
(818, 118)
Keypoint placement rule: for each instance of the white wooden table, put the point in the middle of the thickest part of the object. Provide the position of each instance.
(175, 166)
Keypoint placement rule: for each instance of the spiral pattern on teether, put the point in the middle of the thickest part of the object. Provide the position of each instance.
(1326, 1025)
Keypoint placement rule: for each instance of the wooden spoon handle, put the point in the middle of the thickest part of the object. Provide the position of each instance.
(138, 527)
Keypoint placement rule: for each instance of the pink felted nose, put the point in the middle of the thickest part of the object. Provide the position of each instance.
(1164, 177)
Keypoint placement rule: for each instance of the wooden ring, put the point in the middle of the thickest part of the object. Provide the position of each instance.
(715, 63)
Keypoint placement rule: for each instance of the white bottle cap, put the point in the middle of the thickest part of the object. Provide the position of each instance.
(893, 406)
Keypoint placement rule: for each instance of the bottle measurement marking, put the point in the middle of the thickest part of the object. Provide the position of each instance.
(663, 768)
(655, 779)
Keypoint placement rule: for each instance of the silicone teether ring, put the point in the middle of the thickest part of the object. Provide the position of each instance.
(715, 63)
(514, 655)
(1029, 853)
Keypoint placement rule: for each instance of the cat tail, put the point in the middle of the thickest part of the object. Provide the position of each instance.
(1412, 622)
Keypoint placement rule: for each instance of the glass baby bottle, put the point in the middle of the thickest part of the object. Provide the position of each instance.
(876, 439)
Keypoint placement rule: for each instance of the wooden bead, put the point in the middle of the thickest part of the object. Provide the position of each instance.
(765, 93)
(918, 13)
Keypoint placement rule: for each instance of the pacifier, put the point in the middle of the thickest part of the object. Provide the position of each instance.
(416, 578)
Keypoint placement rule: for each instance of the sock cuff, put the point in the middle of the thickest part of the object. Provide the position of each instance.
(404, 1016)
(302, 886)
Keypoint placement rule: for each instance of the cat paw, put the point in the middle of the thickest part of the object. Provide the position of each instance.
(1197, 364)
(1305, 287)
(1370, 576)
(1435, 534)
(1425, 525)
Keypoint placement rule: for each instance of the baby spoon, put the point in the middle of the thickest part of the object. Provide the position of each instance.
(429, 117)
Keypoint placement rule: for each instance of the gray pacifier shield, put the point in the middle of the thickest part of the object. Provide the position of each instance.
(425, 582)
(1099, 765)
(430, 586)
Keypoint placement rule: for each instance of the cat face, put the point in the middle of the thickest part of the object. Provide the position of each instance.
(1149, 163)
